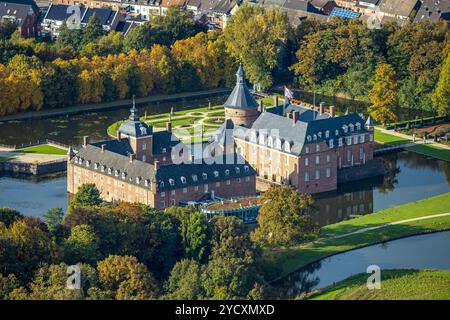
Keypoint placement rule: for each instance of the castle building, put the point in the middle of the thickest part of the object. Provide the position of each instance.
(137, 167)
(292, 144)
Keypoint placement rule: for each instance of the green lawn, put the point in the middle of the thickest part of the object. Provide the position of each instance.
(395, 285)
(4, 159)
(432, 151)
(294, 258)
(43, 149)
(389, 139)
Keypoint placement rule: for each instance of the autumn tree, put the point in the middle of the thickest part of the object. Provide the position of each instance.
(254, 36)
(8, 216)
(384, 94)
(127, 279)
(441, 95)
(184, 282)
(283, 218)
(82, 245)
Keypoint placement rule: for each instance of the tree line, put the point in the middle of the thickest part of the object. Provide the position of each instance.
(338, 58)
(131, 251)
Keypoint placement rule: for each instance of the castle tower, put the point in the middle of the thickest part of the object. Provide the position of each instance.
(139, 134)
(241, 107)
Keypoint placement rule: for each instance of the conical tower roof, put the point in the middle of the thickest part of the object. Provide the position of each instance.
(240, 97)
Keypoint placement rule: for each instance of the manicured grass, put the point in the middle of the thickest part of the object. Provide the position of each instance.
(43, 149)
(389, 139)
(395, 285)
(432, 151)
(294, 258)
(5, 159)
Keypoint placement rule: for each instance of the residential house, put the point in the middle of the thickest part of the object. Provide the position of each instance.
(24, 13)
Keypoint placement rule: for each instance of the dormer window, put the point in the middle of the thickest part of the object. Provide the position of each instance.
(358, 126)
(314, 137)
(124, 175)
(161, 184)
(143, 130)
(287, 146)
(308, 137)
(319, 134)
(327, 134)
(194, 178)
(253, 136)
(138, 180)
(351, 127)
(76, 160)
(116, 173)
(204, 176)
(336, 133)
(103, 168)
(246, 168)
(331, 143)
(146, 183)
(216, 174)
(88, 163)
(270, 142)
(238, 170)
(345, 128)
(96, 166)
(164, 150)
(109, 170)
(262, 139)
(278, 143)
(227, 172)
(80, 160)
(172, 182)
(183, 180)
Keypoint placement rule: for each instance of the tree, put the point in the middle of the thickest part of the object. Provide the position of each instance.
(184, 281)
(8, 216)
(7, 28)
(127, 278)
(441, 95)
(92, 31)
(87, 195)
(7, 285)
(254, 36)
(139, 38)
(384, 94)
(69, 37)
(53, 218)
(82, 245)
(283, 218)
(195, 234)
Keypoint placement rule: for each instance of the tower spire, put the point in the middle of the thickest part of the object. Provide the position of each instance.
(240, 75)
(133, 111)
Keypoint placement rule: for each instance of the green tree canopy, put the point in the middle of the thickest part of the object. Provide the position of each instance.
(87, 195)
(184, 282)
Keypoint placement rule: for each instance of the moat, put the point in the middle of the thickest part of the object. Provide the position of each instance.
(410, 176)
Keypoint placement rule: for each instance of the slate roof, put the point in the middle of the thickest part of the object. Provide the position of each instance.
(114, 161)
(121, 146)
(305, 114)
(18, 11)
(281, 127)
(31, 3)
(163, 140)
(133, 126)
(58, 12)
(398, 7)
(432, 10)
(168, 177)
(125, 26)
(240, 97)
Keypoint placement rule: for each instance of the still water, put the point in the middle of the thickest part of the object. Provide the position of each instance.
(428, 251)
(410, 177)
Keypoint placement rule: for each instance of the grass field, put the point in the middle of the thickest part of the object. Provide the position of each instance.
(395, 285)
(389, 139)
(432, 151)
(291, 259)
(43, 149)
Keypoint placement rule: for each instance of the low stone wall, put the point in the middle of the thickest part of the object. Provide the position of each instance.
(34, 168)
(371, 169)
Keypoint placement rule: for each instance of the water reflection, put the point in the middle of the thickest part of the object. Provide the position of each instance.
(419, 252)
(409, 177)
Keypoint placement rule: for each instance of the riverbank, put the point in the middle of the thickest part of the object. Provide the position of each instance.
(428, 148)
(395, 285)
(114, 105)
(366, 230)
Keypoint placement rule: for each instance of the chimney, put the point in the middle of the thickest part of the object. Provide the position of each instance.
(295, 117)
(261, 107)
(169, 126)
(103, 146)
(85, 141)
(321, 108)
(132, 157)
(275, 99)
(156, 165)
(332, 111)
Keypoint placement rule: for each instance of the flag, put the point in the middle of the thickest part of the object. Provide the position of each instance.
(288, 94)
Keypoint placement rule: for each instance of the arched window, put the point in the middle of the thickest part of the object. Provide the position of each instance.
(227, 172)
(287, 146)
(270, 142)
(237, 169)
(194, 177)
(183, 180)
(205, 176)
(308, 137)
(216, 174)
(278, 143)
(172, 182)
(143, 130)
(138, 180)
